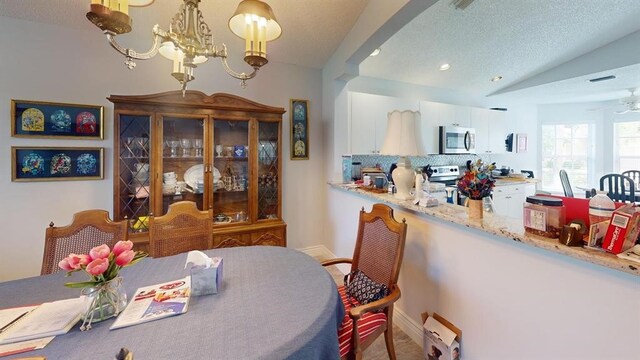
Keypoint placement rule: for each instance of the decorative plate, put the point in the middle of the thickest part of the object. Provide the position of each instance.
(86, 123)
(33, 164)
(60, 164)
(32, 120)
(86, 164)
(195, 174)
(61, 121)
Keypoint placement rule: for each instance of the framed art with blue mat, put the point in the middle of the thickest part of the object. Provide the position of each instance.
(56, 163)
(56, 120)
(299, 131)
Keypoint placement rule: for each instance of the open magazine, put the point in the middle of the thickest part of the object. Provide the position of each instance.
(155, 302)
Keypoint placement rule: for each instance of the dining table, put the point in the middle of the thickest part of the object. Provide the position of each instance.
(274, 303)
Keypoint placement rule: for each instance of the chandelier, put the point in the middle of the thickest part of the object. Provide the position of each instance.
(188, 42)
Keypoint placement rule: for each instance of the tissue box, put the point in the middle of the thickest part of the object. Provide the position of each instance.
(205, 280)
(439, 341)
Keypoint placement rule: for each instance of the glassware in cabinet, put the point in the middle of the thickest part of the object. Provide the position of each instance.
(133, 169)
(183, 163)
(231, 187)
(268, 160)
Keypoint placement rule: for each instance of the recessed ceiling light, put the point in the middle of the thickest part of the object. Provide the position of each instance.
(445, 67)
(375, 52)
(496, 78)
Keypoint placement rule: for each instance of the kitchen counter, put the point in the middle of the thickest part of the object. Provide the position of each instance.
(510, 228)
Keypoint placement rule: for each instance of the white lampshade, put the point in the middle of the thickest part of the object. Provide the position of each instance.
(400, 138)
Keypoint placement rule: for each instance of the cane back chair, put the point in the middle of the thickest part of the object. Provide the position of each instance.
(182, 228)
(87, 230)
(378, 253)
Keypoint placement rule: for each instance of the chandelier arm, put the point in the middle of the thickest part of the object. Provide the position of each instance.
(240, 76)
(132, 54)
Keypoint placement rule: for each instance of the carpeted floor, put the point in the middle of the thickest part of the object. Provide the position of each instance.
(406, 348)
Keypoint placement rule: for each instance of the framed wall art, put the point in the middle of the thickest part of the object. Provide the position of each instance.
(299, 130)
(56, 120)
(56, 163)
(521, 143)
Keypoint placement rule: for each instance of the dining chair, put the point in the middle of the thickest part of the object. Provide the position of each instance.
(87, 230)
(183, 228)
(378, 254)
(633, 174)
(564, 179)
(619, 188)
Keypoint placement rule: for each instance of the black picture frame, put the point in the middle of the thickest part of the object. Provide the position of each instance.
(299, 131)
(56, 120)
(42, 163)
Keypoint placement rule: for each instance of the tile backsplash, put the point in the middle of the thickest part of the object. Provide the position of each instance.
(385, 161)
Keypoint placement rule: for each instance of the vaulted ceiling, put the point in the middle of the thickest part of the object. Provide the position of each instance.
(524, 41)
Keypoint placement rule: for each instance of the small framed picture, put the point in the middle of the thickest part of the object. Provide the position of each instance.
(299, 129)
(521, 143)
(56, 163)
(56, 120)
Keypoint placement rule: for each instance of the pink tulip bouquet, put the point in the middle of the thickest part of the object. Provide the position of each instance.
(102, 264)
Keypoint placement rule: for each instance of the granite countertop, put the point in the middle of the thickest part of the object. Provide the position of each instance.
(501, 226)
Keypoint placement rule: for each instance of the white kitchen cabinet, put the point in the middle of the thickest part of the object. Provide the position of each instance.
(368, 120)
(435, 115)
(509, 199)
(497, 131)
(491, 130)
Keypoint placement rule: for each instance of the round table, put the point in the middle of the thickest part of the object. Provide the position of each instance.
(275, 303)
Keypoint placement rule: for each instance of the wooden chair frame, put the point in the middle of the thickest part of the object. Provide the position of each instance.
(169, 236)
(384, 212)
(79, 237)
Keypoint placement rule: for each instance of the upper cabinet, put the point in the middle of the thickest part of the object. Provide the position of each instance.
(435, 115)
(491, 130)
(368, 120)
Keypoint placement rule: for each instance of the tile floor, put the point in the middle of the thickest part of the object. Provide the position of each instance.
(406, 348)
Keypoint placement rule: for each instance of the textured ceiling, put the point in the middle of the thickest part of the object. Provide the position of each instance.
(512, 38)
(312, 29)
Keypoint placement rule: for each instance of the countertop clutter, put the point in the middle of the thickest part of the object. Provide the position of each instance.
(511, 228)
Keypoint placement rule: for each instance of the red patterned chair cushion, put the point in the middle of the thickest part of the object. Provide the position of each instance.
(367, 324)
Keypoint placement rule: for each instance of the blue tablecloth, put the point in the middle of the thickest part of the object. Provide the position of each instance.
(275, 303)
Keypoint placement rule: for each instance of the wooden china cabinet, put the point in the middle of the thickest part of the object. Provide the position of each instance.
(222, 151)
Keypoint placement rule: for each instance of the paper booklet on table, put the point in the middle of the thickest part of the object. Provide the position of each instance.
(156, 302)
(34, 322)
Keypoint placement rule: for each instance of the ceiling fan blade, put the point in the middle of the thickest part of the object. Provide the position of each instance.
(621, 112)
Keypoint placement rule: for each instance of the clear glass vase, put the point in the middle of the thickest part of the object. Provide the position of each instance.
(104, 300)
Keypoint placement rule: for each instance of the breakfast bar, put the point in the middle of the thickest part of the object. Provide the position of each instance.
(488, 277)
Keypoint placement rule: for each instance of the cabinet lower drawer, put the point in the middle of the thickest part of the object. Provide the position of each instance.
(264, 235)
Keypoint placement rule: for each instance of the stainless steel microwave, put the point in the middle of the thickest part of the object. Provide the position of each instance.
(457, 140)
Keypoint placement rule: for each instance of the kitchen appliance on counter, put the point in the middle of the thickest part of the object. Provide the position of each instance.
(447, 175)
(457, 140)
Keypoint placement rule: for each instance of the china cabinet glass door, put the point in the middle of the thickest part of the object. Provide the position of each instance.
(231, 185)
(183, 160)
(268, 182)
(133, 170)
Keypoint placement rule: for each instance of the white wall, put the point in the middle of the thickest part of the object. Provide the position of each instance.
(52, 63)
(511, 301)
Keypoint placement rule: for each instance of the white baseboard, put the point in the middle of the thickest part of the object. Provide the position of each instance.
(404, 322)
(408, 326)
(318, 251)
